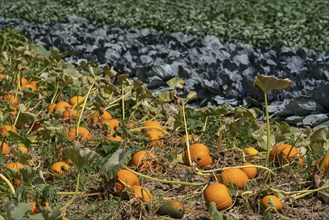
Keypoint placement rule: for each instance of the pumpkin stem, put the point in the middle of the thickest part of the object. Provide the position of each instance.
(246, 166)
(85, 100)
(186, 135)
(75, 193)
(307, 192)
(268, 132)
(165, 181)
(12, 190)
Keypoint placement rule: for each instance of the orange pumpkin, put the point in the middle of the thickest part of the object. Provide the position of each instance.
(141, 192)
(22, 149)
(36, 207)
(130, 125)
(5, 148)
(4, 130)
(143, 158)
(58, 168)
(17, 182)
(151, 125)
(286, 152)
(271, 200)
(114, 138)
(32, 86)
(154, 134)
(250, 151)
(105, 116)
(51, 107)
(70, 113)
(250, 171)
(113, 124)
(83, 132)
(11, 99)
(219, 194)
(24, 81)
(234, 176)
(62, 106)
(199, 154)
(76, 99)
(192, 139)
(325, 164)
(127, 177)
(15, 166)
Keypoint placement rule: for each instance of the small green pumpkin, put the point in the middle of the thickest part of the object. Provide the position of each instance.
(172, 208)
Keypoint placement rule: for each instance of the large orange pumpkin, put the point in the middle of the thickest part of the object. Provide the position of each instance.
(127, 177)
(234, 176)
(199, 154)
(286, 152)
(83, 132)
(250, 171)
(219, 194)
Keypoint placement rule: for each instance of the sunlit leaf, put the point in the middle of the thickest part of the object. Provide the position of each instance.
(261, 137)
(175, 83)
(167, 96)
(80, 157)
(320, 135)
(18, 211)
(118, 160)
(268, 83)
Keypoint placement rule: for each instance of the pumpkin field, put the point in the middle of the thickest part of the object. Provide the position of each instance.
(84, 142)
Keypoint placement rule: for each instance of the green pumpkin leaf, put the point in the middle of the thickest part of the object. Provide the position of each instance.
(118, 160)
(167, 96)
(215, 214)
(18, 212)
(268, 83)
(320, 135)
(80, 157)
(175, 83)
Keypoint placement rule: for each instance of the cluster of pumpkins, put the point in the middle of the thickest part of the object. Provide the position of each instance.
(196, 155)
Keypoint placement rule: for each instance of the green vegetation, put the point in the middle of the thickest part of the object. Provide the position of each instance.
(294, 23)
